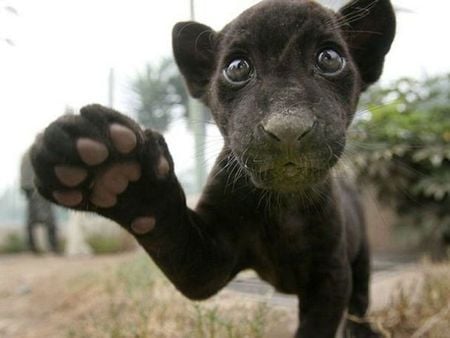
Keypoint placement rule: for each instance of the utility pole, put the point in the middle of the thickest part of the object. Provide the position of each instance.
(111, 85)
(192, 7)
(198, 125)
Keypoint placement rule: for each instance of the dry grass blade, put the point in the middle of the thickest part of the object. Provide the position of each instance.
(421, 310)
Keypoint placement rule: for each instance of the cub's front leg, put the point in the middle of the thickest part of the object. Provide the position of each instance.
(102, 161)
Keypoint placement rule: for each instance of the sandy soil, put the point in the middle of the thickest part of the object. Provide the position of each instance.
(32, 298)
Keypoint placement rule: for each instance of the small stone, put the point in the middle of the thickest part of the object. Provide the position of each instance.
(23, 289)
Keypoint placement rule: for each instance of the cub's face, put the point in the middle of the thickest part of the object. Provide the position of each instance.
(282, 84)
(283, 93)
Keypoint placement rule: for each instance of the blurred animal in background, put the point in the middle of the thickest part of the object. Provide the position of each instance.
(39, 210)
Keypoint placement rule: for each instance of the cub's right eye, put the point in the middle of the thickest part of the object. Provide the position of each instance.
(238, 72)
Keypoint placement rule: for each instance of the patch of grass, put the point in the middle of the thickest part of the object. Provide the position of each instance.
(13, 243)
(134, 300)
(110, 243)
(421, 311)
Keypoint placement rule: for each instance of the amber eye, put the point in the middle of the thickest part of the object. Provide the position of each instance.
(238, 72)
(330, 62)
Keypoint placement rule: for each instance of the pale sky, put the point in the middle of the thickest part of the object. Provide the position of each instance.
(64, 49)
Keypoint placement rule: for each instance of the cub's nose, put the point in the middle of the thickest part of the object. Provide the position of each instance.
(285, 130)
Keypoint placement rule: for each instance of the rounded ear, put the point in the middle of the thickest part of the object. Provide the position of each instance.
(369, 29)
(194, 51)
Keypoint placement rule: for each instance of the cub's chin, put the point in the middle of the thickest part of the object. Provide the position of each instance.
(289, 178)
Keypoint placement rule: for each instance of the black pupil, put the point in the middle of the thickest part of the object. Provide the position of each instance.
(238, 70)
(330, 61)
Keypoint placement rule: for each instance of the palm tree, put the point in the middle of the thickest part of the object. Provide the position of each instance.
(160, 94)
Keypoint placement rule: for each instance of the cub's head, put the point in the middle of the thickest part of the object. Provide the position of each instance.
(283, 80)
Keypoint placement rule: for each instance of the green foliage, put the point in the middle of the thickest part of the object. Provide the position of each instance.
(160, 94)
(110, 243)
(13, 243)
(402, 147)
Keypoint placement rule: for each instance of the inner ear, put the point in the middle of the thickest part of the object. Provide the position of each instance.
(194, 51)
(369, 29)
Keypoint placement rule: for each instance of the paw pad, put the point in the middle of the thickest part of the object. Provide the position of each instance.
(91, 152)
(68, 198)
(143, 225)
(70, 176)
(132, 170)
(123, 138)
(163, 167)
(98, 161)
(103, 198)
(112, 182)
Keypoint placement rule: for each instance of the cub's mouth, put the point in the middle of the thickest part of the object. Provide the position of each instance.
(288, 153)
(287, 176)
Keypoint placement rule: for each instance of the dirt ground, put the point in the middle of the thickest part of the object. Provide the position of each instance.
(34, 301)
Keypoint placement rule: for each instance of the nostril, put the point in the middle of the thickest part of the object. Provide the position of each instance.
(272, 135)
(306, 132)
(266, 133)
(286, 130)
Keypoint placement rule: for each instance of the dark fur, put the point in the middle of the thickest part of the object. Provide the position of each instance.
(303, 233)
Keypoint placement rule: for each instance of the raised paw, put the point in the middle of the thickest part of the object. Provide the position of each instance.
(101, 159)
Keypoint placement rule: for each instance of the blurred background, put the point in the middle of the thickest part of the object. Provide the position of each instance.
(56, 56)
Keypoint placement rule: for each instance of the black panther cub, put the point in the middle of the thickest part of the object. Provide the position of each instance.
(282, 81)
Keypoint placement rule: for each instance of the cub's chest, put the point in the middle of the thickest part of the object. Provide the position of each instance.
(280, 251)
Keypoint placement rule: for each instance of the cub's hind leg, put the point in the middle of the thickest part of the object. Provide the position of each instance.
(357, 326)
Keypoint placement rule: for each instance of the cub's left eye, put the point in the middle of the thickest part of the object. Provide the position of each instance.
(330, 62)
(238, 72)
